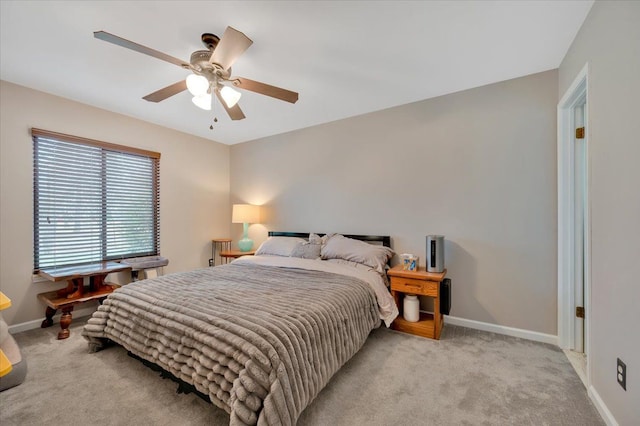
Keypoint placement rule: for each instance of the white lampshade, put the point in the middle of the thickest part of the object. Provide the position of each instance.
(197, 84)
(203, 101)
(230, 96)
(245, 213)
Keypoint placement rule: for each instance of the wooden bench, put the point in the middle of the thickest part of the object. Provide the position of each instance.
(76, 292)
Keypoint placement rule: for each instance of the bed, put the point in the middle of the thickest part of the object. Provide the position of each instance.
(261, 336)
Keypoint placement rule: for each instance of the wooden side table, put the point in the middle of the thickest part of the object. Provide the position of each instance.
(75, 292)
(421, 283)
(234, 254)
(219, 245)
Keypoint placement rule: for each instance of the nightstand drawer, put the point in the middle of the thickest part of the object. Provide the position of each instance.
(407, 285)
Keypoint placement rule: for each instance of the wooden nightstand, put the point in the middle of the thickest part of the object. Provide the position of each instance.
(234, 254)
(421, 283)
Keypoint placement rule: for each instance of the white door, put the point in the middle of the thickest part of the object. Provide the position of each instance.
(579, 214)
(574, 245)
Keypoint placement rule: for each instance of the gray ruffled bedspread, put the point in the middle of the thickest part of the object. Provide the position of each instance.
(260, 341)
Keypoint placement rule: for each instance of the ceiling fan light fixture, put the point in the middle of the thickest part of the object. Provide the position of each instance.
(197, 85)
(203, 101)
(230, 96)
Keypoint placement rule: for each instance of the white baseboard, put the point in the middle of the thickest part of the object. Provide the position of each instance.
(601, 407)
(501, 329)
(30, 325)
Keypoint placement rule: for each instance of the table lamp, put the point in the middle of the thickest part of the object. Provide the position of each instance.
(245, 214)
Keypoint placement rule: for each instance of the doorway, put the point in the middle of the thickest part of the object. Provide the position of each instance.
(579, 214)
(574, 225)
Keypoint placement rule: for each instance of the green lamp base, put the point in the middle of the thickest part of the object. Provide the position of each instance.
(245, 244)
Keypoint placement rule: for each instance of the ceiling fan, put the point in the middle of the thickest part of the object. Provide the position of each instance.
(211, 72)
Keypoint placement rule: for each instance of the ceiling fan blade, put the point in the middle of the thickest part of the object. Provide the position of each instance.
(266, 89)
(166, 92)
(232, 44)
(102, 35)
(234, 112)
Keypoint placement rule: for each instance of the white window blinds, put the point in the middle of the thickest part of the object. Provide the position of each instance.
(93, 201)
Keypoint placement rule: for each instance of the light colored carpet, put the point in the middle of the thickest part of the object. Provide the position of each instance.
(466, 378)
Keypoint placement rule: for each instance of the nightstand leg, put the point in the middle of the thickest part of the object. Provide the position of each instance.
(437, 318)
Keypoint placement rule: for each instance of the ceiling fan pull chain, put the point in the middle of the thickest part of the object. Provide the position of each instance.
(213, 106)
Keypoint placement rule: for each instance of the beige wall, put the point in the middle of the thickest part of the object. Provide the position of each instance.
(609, 41)
(194, 186)
(478, 166)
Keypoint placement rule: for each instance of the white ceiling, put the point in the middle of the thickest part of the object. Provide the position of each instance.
(344, 58)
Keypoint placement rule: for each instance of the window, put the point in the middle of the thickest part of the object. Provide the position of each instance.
(93, 201)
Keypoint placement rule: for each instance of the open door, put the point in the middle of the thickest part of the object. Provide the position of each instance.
(579, 214)
(574, 270)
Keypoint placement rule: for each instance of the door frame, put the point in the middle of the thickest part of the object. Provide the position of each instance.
(576, 94)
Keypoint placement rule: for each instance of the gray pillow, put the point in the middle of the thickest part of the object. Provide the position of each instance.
(341, 247)
(317, 239)
(279, 246)
(307, 250)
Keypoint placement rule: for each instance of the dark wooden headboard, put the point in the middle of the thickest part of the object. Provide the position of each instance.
(384, 239)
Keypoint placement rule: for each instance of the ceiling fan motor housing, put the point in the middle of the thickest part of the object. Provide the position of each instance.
(200, 61)
(200, 58)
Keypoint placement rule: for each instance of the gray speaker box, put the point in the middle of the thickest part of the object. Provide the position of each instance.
(435, 253)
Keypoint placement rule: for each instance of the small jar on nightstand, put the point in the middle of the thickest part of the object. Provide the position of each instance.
(411, 308)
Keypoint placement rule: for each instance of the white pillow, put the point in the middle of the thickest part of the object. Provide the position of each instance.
(279, 246)
(341, 247)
